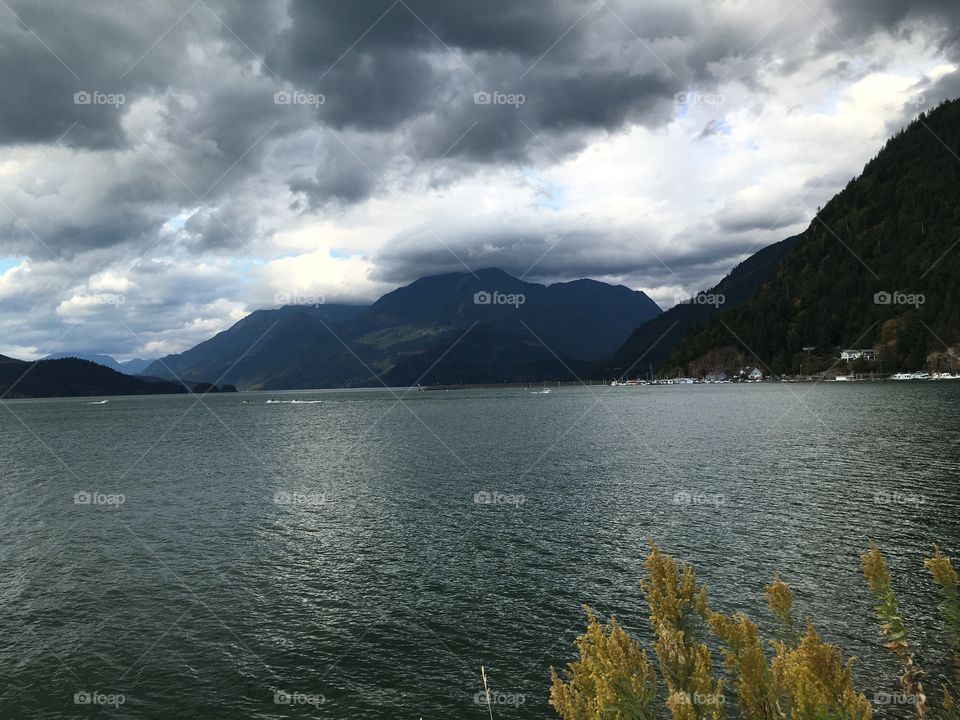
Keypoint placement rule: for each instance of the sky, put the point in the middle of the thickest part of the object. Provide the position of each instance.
(167, 168)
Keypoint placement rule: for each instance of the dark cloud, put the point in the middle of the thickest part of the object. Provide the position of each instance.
(642, 260)
(858, 18)
(765, 216)
(51, 51)
(203, 158)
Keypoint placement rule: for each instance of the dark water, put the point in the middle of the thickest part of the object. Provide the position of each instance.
(335, 549)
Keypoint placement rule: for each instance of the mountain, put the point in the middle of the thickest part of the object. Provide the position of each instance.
(129, 367)
(879, 268)
(72, 377)
(652, 343)
(134, 366)
(267, 348)
(486, 326)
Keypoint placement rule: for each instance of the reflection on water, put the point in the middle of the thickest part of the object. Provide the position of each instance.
(362, 557)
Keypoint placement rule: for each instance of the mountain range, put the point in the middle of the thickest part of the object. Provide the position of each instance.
(877, 268)
(480, 327)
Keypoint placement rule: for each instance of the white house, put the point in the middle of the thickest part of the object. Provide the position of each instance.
(866, 354)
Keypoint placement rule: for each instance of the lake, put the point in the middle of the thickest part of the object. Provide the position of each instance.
(360, 554)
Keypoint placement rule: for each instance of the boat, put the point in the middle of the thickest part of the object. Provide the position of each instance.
(911, 376)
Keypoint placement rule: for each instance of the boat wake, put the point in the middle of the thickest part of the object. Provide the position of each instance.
(98, 402)
(293, 402)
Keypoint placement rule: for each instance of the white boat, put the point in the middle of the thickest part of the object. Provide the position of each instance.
(911, 376)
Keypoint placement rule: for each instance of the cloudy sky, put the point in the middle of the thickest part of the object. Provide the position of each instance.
(167, 167)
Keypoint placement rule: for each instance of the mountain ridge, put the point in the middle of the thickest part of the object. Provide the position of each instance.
(427, 319)
(890, 235)
(74, 377)
(651, 344)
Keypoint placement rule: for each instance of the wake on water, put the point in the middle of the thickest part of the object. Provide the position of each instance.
(293, 402)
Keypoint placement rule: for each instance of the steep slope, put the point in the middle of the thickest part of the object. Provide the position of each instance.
(259, 346)
(515, 325)
(879, 267)
(652, 343)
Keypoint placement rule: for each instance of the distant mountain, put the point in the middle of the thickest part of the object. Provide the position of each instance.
(135, 366)
(878, 268)
(129, 367)
(71, 377)
(486, 326)
(651, 344)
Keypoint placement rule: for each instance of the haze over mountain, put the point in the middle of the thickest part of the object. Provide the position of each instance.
(486, 326)
(128, 367)
(651, 344)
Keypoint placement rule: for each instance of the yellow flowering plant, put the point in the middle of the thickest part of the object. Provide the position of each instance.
(612, 680)
(796, 677)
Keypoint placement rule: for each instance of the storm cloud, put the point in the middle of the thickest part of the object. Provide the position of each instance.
(199, 157)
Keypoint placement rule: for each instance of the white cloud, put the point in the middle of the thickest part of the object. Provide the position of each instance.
(193, 220)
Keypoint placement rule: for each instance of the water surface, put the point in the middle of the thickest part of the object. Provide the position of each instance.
(334, 548)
